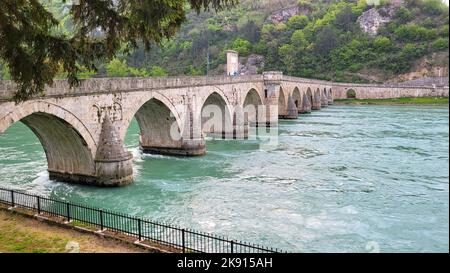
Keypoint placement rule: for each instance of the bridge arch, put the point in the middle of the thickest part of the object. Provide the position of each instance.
(252, 106)
(69, 147)
(296, 96)
(282, 103)
(215, 115)
(350, 94)
(160, 125)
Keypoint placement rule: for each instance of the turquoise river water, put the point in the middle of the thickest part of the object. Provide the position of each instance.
(344, 179)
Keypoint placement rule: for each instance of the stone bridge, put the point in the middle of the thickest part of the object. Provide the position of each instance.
(82, 129)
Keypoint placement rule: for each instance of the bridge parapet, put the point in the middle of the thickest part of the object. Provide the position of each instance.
(109, 85)
(304, 80)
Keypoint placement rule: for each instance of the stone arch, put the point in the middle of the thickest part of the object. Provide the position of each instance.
(69, 147)
(296, 96)
(350, 94)
(215, 115)
(309, 95)
(282, 103)
(251, 107)
(160, 125)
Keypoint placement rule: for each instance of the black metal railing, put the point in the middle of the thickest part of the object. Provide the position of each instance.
(183, 240)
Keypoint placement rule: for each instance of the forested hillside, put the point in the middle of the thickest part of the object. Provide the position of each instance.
(348, 40)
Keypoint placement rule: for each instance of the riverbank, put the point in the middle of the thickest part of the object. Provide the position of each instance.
(20, 234)
(397, 101)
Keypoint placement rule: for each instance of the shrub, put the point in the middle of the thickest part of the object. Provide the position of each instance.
(440, 44)
(298, 21)
(242, 46)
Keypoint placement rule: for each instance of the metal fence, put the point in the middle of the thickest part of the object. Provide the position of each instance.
(183, 240)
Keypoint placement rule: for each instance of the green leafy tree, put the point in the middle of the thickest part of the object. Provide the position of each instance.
(4, 72)
(117, 68)
(35, 52)
(345, 19)
(251, 32)
(326, 40)
(298, 22)
(157, 71)
(440, 44)
(242, 46)
(403, 15)
(383, 44)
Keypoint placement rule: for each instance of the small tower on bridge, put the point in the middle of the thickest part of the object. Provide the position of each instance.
(232, 63)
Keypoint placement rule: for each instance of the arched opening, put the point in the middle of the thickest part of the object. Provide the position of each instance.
(282, 108)
(160, 132)
(296, 96)
(351, 94)
(215, 117)
(68, 154)
(309, 95)
(252, 108)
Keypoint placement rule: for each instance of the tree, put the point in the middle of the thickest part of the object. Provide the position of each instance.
(440, 44)
(117, 68)
(298, 21)
(4, 72)
(34, 52)
(242, 46)
(157, 71)
(345, 19)
(251, 31)
(326, 40)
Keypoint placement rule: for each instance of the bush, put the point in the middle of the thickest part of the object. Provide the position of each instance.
(382, 43)
(413, 32)
(157, 71)
(298, 22)
(242, 46)
(117, 68)
(412, 51)
(440, 44)
(403, 15)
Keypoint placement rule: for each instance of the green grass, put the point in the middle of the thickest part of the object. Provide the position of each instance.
(398, 101)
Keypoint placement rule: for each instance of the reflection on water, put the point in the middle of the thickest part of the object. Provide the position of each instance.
(342, 179)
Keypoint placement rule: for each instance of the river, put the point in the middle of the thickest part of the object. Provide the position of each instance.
(344, 179)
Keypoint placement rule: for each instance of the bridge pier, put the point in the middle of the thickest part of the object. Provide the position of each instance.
(323, 100)
(272, 82)
(292, 109)
(330, 98)
(113, 164)
(306, 105)
(316, 104)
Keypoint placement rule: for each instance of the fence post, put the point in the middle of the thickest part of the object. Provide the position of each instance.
(139, 229)
(183, 239)
(12, 199)
(232, 246)
(68, 212)
(39, 204)
(101, 220)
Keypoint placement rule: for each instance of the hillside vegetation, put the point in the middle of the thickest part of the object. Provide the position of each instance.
(322, 39)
